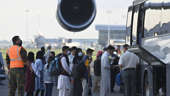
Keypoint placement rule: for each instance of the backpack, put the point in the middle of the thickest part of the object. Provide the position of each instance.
(97, 67)
(59, 68)
(54, 68)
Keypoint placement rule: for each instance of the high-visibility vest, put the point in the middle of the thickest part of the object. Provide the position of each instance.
(15, 57)
(87, 63)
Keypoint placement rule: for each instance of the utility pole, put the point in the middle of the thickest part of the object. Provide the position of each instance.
(27, 11)
(109, 19)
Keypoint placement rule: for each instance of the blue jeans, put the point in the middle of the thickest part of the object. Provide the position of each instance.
(48, 89)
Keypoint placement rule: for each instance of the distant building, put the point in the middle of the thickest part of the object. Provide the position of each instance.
(86, 43)
(117, 34)
(5, 44)
(42, 41)
(59, 42)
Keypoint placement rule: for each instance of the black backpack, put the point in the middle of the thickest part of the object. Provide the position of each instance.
(97, 67)
(60, 69)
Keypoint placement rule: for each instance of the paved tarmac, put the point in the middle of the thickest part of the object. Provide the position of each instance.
(4, 90)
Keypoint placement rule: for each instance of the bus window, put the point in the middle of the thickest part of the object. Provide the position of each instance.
(135, 25)
(152, 23)
(128, 25)
(165, 19)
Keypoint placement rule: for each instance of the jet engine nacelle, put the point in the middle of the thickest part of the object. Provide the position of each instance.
(76, 15)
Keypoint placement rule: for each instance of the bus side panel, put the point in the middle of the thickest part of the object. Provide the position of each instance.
(168, 80)
(140, 78)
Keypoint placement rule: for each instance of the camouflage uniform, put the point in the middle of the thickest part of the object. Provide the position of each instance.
(17, 76)
(16, 80)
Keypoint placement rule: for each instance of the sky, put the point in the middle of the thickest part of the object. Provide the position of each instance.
(28, 18)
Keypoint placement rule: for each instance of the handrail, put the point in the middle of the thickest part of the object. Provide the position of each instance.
(146, 55)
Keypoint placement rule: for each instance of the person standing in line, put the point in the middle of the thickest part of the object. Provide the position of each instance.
(64, 83)
(105, 87)
(48, 78)
(16, 59)
(87, 59)
(128, 62)
(1, 66)
(97, 73)
(39, 86)
(43, 53)
(1, 61)
(118, 50)
(71, 57)
(77, 74)
(47, 54)
(43, 50)
(30, 76)
(80, 53)
(114, 70)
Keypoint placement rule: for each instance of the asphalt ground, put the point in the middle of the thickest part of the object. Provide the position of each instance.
(4, 90)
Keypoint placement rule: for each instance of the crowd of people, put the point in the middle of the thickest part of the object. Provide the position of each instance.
(74, 72)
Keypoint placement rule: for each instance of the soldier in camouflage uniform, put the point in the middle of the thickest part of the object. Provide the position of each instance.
(16, 59)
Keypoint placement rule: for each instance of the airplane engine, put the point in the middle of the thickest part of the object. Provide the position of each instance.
(76, 15)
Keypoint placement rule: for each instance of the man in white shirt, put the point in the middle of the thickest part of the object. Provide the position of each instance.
(64, 83)
(128, 62)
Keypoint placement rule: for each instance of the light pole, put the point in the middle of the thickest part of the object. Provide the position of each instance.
(38, 23)
(27, 24)
(109, 12)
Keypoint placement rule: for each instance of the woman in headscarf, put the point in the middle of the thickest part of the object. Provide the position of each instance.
(30, 75)
(39, 66)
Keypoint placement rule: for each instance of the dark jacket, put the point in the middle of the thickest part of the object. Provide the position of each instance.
(86, 69)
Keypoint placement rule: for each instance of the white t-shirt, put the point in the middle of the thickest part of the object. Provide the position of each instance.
(128, 60)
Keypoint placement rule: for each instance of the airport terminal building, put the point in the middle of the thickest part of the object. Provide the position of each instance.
(116, 34)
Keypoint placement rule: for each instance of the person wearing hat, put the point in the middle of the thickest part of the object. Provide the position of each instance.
(87, 59)
(105, 87)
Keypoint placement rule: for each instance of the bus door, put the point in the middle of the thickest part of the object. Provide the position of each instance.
(134, 25)
(137, 25)
(128, 25)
